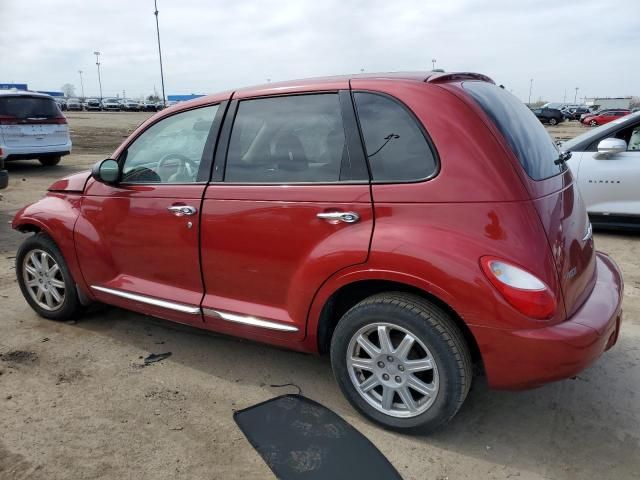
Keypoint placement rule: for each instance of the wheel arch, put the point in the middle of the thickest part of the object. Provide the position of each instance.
(350, 293)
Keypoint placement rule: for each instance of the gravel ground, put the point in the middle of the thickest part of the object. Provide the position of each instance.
(75, 402)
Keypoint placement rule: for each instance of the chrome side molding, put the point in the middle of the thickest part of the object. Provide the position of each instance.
(178, 307)
(248, 320)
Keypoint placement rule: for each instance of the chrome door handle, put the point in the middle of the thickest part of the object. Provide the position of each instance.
(182, 210)
(335, 217)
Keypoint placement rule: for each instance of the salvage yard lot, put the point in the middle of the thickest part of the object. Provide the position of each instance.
(77, 402)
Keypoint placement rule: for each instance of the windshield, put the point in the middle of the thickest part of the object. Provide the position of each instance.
(528, 139)
(24, 107)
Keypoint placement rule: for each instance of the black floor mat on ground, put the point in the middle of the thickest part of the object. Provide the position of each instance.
(301, 439)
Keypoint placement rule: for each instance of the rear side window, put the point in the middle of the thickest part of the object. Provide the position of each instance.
(21, 107)
(526, 136)
(290, 139)
(396, 148)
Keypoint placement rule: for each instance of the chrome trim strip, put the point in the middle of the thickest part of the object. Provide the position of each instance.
(247, 320)
(588, 233)
(178, 307)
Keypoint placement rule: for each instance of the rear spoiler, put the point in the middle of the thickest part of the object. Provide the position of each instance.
(457, 77)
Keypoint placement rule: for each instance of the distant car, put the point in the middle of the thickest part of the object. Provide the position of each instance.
(604, 117)
(74, 104)
(112, 104)
(32, 126)
(148, 106)
(62, 102)
(606, 164)
(130, 105)
(93, 104)
(551, 116)
(576, 113)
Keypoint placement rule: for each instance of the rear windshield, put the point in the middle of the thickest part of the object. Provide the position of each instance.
(23, 107)
(528, 139)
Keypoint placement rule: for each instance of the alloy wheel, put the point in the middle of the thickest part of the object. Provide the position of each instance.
(392, 370)
(43, 280)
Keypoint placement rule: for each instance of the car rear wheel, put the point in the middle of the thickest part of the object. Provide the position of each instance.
(402, 362)
(553, 121)
(50, 161)
(45, 280)
(593, 123)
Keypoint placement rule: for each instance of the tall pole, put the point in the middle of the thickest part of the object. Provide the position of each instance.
(530, 89)
(433, 64)
(81, 83)
(155, 3)
(575, 97)
(97, 54)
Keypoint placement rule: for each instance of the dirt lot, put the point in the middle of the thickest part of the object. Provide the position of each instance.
(75, 403)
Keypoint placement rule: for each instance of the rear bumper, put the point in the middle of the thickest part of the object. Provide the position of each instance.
(519, 359)
(26, 152)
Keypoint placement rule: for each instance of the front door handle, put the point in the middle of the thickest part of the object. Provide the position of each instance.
(182, 210)
(335, 217)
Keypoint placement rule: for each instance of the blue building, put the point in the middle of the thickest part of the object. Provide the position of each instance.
(9, 86)
(182, 98)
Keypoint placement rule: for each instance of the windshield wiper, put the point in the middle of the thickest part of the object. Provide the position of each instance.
(562, 158)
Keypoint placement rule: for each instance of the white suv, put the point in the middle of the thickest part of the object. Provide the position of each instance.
(32, 126)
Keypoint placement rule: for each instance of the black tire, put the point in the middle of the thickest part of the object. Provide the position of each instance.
(50, 161)
(435, 329)
(70, 306)
(553, 121)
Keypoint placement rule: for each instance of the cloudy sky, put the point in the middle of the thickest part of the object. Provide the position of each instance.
(213, 45)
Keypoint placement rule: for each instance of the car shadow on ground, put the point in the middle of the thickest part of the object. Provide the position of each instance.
(587, 426)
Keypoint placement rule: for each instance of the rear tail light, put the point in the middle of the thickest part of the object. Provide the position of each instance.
(523, 290)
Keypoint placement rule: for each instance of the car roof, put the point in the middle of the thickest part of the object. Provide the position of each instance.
(14, 92)
(325, 83)
(582, 142)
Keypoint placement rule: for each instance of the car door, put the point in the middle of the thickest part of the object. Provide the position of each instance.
(609, 185)
(289, 206)
(138, 240)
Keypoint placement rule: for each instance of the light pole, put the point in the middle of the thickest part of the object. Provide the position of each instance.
(155, 3)
(575, 97)
(81, 83)
(433, 64)
(530, 89)
(97, 54)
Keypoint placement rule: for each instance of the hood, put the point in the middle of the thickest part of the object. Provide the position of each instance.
(72, 183)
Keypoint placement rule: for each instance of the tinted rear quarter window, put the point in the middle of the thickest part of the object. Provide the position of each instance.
(24, 107)
(524, 133)
(395, 145)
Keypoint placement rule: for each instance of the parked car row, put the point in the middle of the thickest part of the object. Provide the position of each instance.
(108, 104)
(403, 316)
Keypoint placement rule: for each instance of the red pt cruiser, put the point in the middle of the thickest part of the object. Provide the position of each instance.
(408, 224)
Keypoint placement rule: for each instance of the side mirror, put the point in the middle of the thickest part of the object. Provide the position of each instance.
(106, 171)
(611, 146)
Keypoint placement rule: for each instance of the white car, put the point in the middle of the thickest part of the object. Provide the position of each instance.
(32, 126)
(606, 163)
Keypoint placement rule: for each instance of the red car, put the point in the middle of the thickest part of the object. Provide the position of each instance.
(410, 225)
(606, 116)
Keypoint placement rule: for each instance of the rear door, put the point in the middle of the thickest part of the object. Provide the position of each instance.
(288, 207)
(32, 121)
(552, 187)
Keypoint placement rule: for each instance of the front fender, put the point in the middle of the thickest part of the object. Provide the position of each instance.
(56, 215)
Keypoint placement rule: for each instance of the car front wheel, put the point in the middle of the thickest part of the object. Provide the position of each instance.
(593, 123)
(402, 362)
(50, 161)
(45, 280)
(553, 121)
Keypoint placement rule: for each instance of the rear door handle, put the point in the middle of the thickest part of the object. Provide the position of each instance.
(182, 210)
(335, 217)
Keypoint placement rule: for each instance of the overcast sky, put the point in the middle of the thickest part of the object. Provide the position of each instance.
(213, 45)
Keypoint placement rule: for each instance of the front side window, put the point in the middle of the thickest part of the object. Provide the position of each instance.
(289, 139)
(169, 151)
(396, 148)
